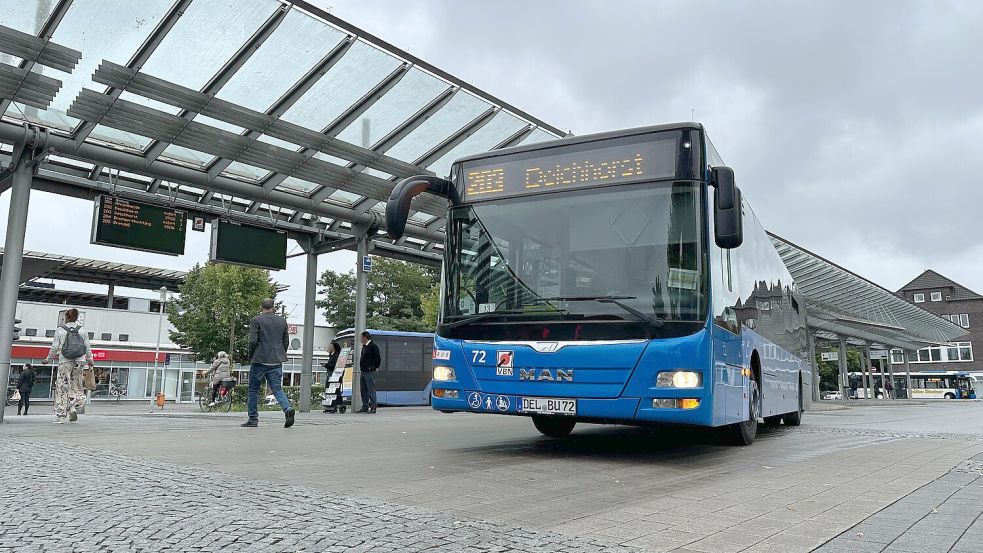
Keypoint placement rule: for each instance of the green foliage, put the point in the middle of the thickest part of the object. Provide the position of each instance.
(396, 291)
(240, 394)
(829, 371)
(430, 303)
(214, 308)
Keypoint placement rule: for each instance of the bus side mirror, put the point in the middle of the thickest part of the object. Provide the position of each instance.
(727, 214)
(398, 206)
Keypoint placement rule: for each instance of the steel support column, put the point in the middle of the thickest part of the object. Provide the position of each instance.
(13, 257)
(890, 370)
(111, 295)
(307, 363)
(844, 382)
(907, 373)
(866, 368)
(815, 367)
(361, 295)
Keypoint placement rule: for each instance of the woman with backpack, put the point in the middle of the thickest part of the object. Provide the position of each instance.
(71, 346)
(25, 383)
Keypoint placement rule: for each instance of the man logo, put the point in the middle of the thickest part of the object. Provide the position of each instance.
(547, 375)
(546, 347)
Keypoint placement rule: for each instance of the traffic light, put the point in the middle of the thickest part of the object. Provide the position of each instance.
(16, 329)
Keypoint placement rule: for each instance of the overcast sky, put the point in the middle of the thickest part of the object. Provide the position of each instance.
(854, 128)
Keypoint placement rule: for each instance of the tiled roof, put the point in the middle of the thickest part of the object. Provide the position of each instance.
(930, 280)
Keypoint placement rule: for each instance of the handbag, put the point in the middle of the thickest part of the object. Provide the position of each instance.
(88, 379)
(15, 396)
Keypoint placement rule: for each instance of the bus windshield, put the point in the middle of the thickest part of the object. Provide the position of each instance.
(622, 262)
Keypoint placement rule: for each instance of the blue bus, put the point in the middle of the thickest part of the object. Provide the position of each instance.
(404, 378)
(612, 278)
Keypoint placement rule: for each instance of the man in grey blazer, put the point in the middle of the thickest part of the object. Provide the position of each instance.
(268, 339)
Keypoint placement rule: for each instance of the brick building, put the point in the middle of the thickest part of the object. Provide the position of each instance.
(955, 302)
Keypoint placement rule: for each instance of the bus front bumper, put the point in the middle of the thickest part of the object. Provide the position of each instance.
(623, 409)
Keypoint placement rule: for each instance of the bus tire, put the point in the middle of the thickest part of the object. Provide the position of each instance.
(554, 427)
(794, 418)
(950, 395)
(743, 433)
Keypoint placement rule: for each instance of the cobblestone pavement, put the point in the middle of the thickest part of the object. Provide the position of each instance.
(493, 479)
(945, 516)
(60, 497)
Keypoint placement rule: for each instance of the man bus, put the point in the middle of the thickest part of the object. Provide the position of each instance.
(612, 278)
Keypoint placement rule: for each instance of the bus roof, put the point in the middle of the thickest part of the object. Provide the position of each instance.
(349, 332)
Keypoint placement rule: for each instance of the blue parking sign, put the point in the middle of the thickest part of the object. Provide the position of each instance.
(367, 264)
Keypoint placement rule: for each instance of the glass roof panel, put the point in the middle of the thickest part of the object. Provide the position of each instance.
(293, 184)
(187, 155)
(205, 120)
(27, 16)
(346, 198)
(460, 111)
(277, 142)
(85, 28)
(421, 217)
(120, 138)
(297, 44)
(538, 135)
(376, 173)
(410, 95)
(502, 126)
(345, 83)
(249, 171)
(331, 159)
(166, 108)
(204, 39)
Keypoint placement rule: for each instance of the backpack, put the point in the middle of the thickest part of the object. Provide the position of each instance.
(74, 345)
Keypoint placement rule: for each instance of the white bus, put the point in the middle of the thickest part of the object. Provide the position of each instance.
(924, 385)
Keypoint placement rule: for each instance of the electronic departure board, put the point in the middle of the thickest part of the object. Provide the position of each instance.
(248, 245)
(138, 226)
(571, 167)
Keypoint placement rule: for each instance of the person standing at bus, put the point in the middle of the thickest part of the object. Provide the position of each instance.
(25, 383)
(368, 364)
(888, 388)
(72, 348)
(268, 341)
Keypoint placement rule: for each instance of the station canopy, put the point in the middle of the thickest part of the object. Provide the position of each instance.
(267, 111)
(842, 303)
(279, 113)
(76, 269)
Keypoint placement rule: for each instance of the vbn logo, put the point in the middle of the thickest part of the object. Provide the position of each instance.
(547, 375)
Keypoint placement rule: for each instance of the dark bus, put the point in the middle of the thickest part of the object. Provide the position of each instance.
(404, 378)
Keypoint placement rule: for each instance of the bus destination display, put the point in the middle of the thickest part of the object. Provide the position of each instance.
(577, 166)
(248, 245)
(138, 226)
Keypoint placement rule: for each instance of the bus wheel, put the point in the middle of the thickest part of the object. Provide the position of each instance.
(794, 418)
(950, 395)
(743, 433)
(554, 427)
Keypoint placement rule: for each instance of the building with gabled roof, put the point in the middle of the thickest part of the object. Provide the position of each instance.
(954, 302)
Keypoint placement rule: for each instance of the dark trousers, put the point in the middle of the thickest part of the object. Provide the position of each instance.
(273, 376)
(25, 400)
(368, 391)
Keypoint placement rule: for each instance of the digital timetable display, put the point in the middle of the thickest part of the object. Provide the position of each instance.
(569, 167)
(241, 244)
(138, 226)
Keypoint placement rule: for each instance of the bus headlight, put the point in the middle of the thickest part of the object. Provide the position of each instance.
(443, 373)
(679, 379)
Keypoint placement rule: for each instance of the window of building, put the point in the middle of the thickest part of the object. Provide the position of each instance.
(964, 320)
(31, 332)
(897, 357)
(919, 298)
(106, 336)
(124, 337)
(49, 333)
(936, 296)
(92, 335)
(958, 352)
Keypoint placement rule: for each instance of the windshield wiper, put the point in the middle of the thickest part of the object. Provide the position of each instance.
(654, 320)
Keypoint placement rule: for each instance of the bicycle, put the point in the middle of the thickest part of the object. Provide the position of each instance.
(223, 400)
(117, 389)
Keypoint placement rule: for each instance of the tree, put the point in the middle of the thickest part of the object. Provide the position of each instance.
(829, 371)
(214, 308)
(394, 296)
(430, 303)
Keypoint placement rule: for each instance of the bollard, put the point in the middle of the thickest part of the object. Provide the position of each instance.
(160, 400)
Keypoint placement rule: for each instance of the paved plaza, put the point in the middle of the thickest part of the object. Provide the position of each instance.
(897, 477)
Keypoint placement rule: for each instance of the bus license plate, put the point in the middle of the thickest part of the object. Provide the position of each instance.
(549, 406)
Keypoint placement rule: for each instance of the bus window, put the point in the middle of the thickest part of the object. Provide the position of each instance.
(405, 355)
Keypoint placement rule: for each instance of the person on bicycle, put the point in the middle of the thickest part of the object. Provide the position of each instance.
(221, 369)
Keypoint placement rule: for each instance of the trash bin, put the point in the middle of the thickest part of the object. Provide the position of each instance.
(160, 400)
